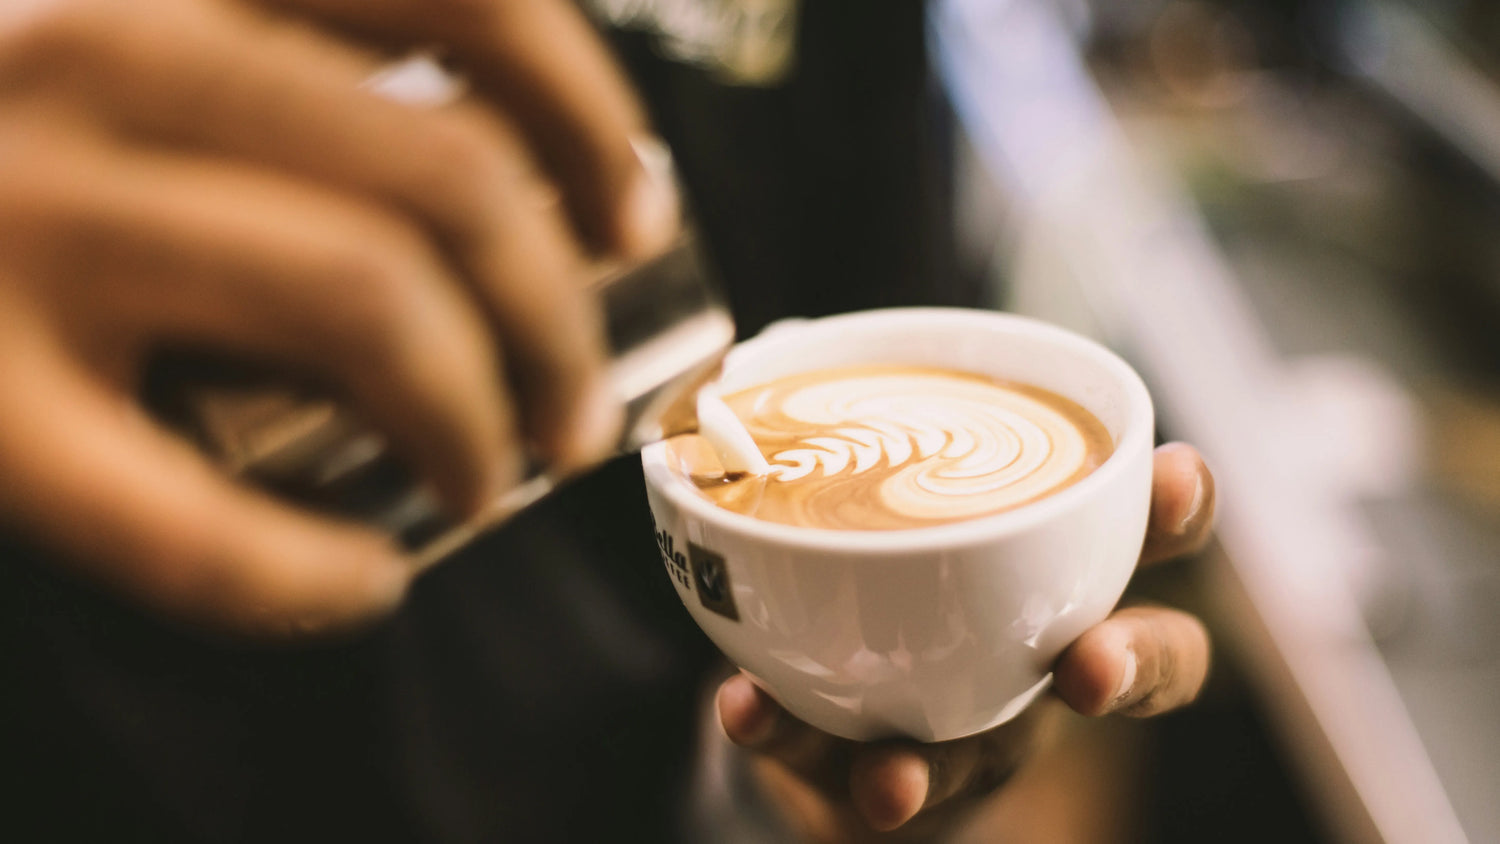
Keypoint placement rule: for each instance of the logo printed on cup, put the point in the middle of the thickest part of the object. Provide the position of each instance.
(676, 563)
(712, 579)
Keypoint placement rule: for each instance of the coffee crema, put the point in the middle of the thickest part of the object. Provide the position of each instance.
(895, 447)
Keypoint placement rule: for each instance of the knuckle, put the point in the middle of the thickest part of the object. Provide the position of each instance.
(447, 361)
(43, 36)
(377, 297)
(94, 43)
(467, 164)
(56, 36)
(560, 323)
(390, 284)
(462, 157)
(46, 223)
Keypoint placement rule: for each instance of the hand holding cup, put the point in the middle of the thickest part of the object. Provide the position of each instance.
(1142, 661)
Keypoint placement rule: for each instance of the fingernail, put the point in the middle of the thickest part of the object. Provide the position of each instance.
(1127, 681)
(1195, 507)
(596, 428)
(653, 209)
(929, 773)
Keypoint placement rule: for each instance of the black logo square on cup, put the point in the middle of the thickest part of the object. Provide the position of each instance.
(711, 577)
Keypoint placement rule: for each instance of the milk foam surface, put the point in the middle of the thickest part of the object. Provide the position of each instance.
(888, 447)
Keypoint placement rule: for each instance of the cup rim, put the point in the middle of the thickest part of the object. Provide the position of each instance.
(1136, 435)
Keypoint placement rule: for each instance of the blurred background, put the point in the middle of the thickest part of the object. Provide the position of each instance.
(1287, 215)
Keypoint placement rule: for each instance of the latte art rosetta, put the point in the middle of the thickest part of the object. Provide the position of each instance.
(897, 447)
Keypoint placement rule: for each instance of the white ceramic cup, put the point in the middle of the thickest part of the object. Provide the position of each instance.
(930, 633)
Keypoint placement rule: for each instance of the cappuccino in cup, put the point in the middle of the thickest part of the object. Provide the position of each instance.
(952, 497)
(896, 447)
